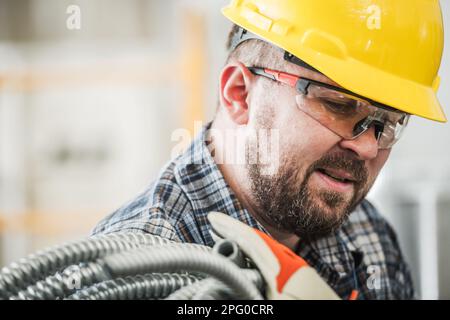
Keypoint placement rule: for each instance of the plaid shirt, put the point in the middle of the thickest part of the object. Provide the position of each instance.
(363, 254)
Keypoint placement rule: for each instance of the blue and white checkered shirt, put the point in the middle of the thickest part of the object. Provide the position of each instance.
(364, 254)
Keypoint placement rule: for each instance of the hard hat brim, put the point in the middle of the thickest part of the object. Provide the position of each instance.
(380, 86)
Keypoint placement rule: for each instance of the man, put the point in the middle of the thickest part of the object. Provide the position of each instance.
(335, 83)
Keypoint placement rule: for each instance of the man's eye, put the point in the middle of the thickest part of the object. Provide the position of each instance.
(394, 119)
(339, 107)
(402, 120)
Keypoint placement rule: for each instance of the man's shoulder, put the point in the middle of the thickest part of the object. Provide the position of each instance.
(156, 210)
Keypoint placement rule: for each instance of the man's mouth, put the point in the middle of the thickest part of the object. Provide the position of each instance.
(335, 180)
(338, 175)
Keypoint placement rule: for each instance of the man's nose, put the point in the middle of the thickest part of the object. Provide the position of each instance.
(365, 146)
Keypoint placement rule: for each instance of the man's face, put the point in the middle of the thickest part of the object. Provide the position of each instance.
(321, 178)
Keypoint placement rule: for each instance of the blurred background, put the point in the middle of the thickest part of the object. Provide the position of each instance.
(88, 108)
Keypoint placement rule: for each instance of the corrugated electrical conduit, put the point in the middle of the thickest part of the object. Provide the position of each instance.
(132, 266)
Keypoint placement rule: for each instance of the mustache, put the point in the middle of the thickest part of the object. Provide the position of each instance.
(342, 161)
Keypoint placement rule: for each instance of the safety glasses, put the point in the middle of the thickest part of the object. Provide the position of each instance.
(345, 113)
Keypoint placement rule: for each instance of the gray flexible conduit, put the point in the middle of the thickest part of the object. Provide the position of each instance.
(214, 290)
(178, 258)
(149, 286)
(38, 266)
(123, 266)
(206, 289)
(17, 276)
(61, 284)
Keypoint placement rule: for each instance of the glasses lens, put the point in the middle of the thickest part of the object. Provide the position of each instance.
(392, 132)
(349, 116)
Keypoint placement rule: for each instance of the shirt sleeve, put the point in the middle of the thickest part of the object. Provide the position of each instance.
(150, 220)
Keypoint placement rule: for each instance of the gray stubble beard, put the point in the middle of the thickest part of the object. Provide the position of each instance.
(296, 210)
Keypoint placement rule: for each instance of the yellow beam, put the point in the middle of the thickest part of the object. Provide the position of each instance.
(50, 224)
(111, 74)
(194, 67)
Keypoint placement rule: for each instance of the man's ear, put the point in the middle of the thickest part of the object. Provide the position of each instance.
(235, 82)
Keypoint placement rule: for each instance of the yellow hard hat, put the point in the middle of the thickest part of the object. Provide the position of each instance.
(386, 50)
